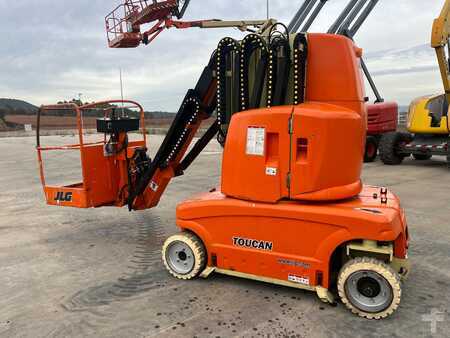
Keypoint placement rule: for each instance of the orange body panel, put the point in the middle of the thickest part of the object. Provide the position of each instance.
(68, 196)
(334, 73)
(312, 151)
(303, 235)
(244, 176)
(103, 178)
(318, 160)
(326, 159)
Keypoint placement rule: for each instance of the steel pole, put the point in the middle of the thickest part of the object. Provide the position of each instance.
(335, 27)
(362, 18)
(313, 16)
(303, 16)
(298, 14)
(351, 17)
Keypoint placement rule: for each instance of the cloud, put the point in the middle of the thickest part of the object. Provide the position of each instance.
(409, 70)
(54, 49)
(405, 73)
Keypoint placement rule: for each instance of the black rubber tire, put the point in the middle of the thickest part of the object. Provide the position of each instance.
(382, 269)
(388, 144)
(198, 251)
(422, 157)
(371, 152)
(448, 154)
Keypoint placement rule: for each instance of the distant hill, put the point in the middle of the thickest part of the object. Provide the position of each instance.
(159, 115)
(3, 125)
(19, 107)
(16, 107)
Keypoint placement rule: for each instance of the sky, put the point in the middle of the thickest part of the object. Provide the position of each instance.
(52, 50)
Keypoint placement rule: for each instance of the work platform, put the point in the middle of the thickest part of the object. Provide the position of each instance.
(123, 23)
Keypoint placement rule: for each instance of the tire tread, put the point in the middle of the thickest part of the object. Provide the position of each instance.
(371, 140)
(197, 248)
(387, 147)
(367, 263)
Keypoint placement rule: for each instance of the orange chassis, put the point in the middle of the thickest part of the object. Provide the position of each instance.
(293, 243)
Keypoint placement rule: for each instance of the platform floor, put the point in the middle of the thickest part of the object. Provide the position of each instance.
(81, 273)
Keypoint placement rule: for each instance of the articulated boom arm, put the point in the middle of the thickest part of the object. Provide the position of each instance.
(265, 69)
(124, 23)
(172, 159)
(440, 41)
(199, 104)
(260, 26)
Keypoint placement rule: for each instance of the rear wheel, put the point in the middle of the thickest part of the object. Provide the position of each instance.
(371, 149)
(369, 288)
(184, 255)
(422, 157)
(390, 146)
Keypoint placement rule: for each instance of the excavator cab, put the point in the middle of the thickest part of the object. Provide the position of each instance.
(428, 118)
(438, 110)
(104, 160)
(429, 115)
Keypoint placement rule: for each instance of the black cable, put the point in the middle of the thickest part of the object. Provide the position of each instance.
(274, 31)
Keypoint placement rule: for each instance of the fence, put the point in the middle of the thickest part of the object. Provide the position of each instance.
(402, 119)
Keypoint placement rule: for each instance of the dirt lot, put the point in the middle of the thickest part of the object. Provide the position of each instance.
(79, 273)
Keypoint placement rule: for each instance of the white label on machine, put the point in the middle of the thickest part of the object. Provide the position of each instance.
(271, 171)
(298, 280)
(255, 141)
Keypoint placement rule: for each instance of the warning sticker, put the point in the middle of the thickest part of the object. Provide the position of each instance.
(271, 171)
(298, 280)
(255, 141)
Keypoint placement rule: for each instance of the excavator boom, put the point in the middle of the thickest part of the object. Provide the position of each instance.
(440, 42)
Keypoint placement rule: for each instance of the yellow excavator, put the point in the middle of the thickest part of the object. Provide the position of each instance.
(428, 117)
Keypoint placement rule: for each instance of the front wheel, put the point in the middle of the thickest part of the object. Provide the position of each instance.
(369, 288)
(390, 147)
(184, 255)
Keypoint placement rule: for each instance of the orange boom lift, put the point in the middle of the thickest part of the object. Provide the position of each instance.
(291, 208)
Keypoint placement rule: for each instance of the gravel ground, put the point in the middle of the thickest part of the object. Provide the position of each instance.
(80, 273)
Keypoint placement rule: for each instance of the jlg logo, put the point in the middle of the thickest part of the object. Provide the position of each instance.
(63, 197)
